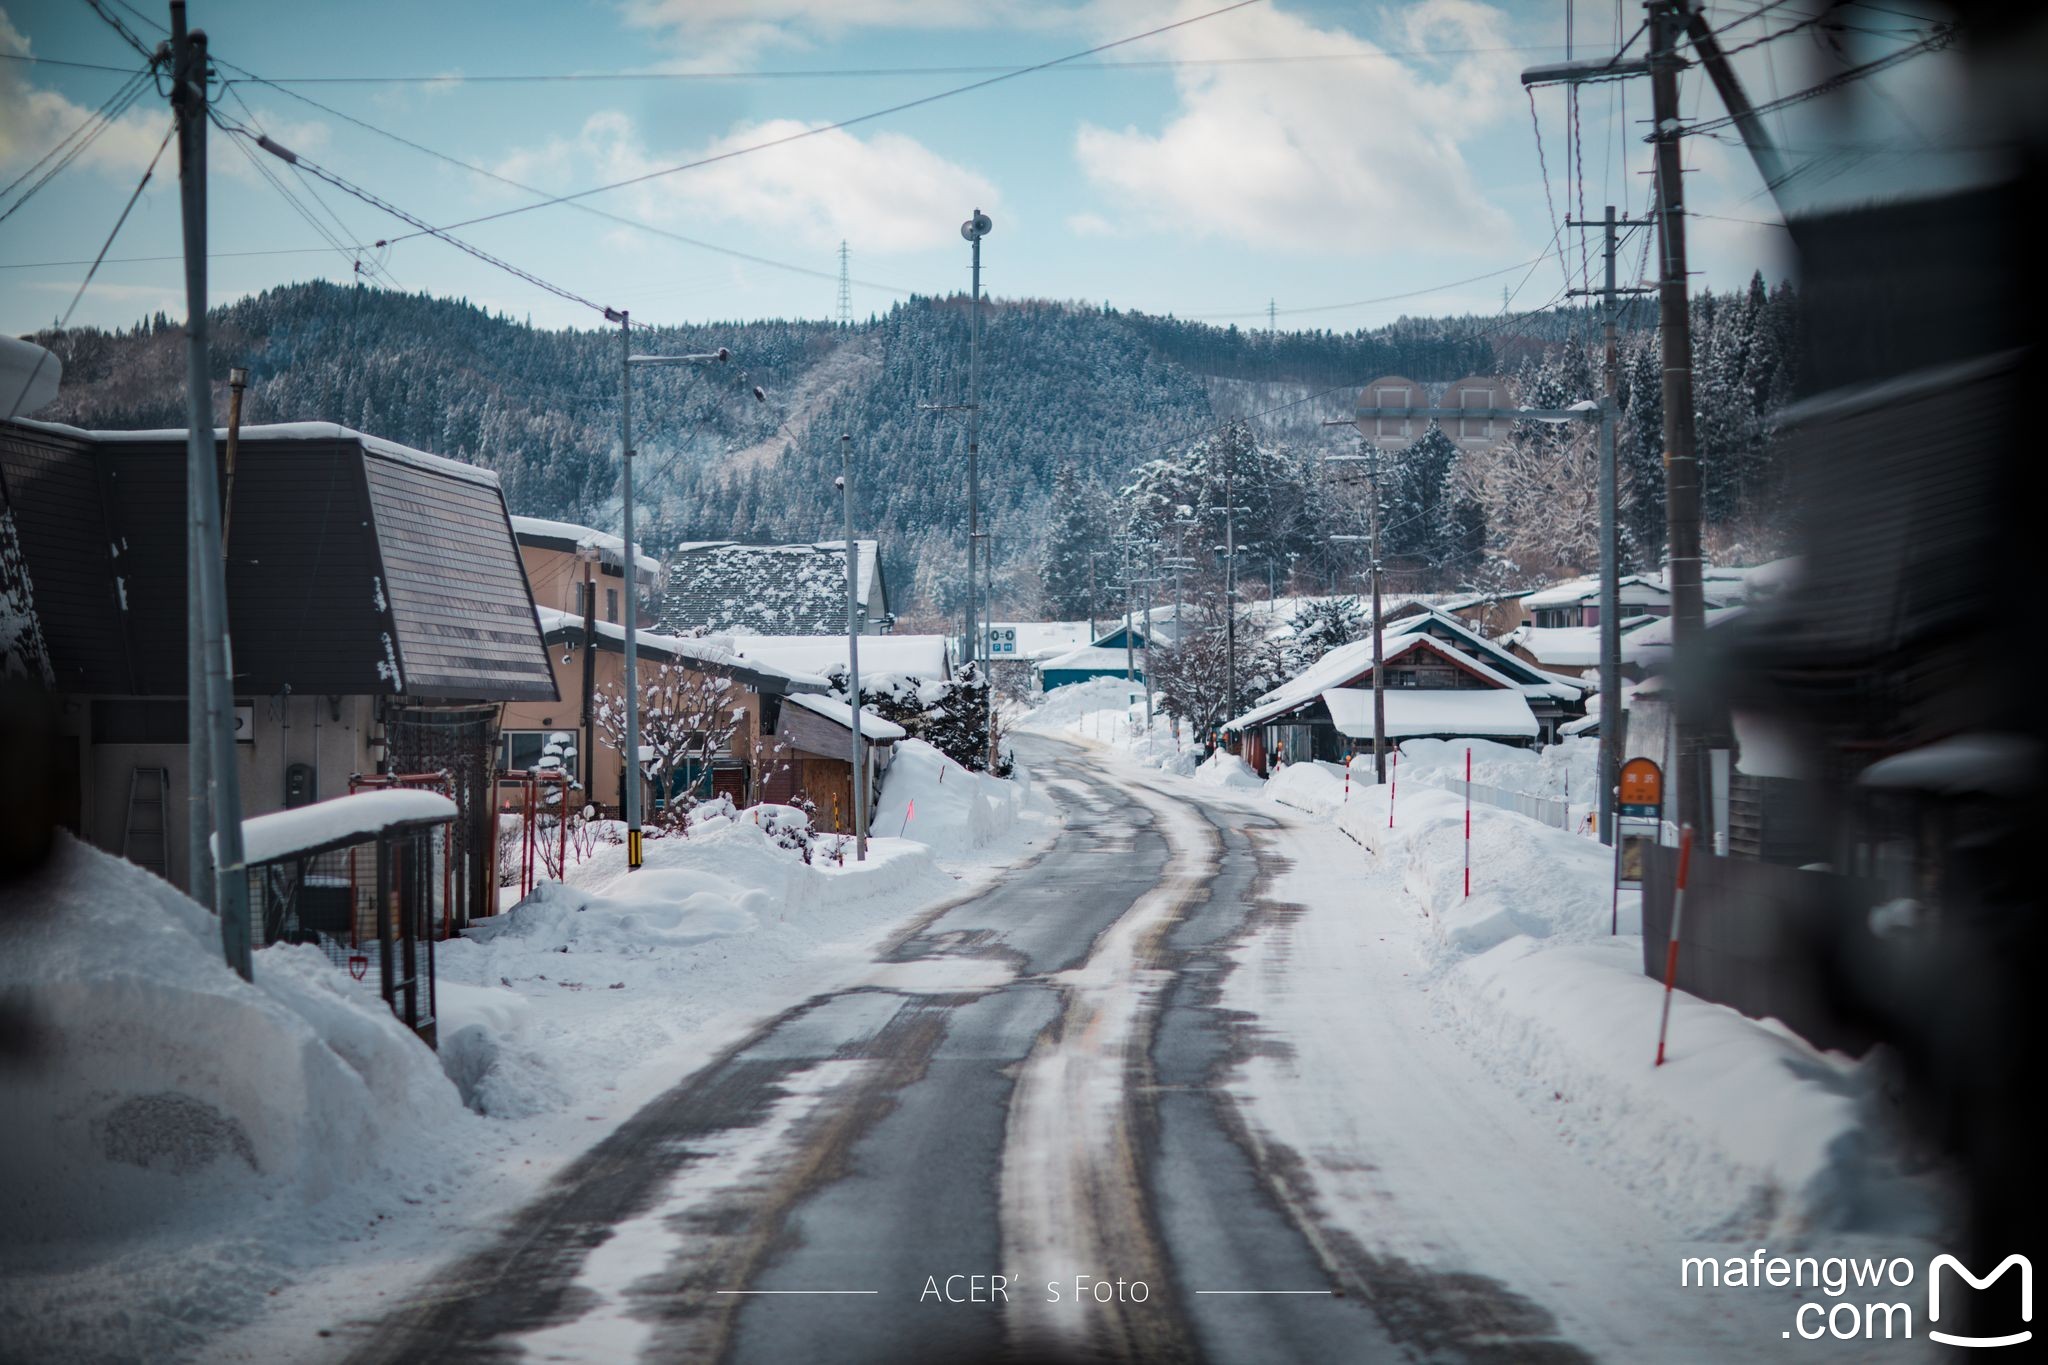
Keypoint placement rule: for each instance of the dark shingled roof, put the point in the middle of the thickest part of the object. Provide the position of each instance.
(356, 566)
(768, 589)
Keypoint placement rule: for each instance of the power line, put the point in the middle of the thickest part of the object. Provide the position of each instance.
(92, 129)
(592, 209)
(53, 61)
(890, 72)
(84, 284)
(1933, 41)
(1362, 303)
(868, 117)
(426, 229)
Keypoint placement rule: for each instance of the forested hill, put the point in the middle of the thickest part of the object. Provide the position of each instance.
(1105, 390)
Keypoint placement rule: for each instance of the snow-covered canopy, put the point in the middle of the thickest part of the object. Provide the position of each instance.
(339, 820)
(912, 656)
(1433, 712)
(872, 727)
(1560, 646)
(1651, 644)
(1635, 590)
(29, 374)
(1991, 764)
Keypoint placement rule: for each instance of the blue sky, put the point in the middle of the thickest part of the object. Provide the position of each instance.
(1368, 150)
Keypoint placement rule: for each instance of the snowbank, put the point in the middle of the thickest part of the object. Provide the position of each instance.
(166, 1092)
(1746, 1118)
(1318, 788)
(956, 810)
(1225, 769)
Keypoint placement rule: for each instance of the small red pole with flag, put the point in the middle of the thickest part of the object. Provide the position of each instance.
(1671, 949)
(908, 811)
(1393, 788)
(1347, 778)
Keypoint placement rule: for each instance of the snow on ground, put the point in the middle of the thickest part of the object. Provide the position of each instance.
(178, 1139)
(953, 811)
(1747, 1130)
(1111, 713)
(224, 1167)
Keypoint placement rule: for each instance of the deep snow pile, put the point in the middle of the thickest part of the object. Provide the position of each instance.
(1225, 769)
(1111, 712)
(170, 1114)
(1748, 1129)
(930, 799)
(1567, 771)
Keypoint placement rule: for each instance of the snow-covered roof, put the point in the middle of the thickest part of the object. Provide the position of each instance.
(1652, 643)
(911, 656)
(1439, 712)
(1096, 659)
(290, 431)
(1565, 646)
(1633, 588)
(717, 651)
(872, 726)
(338, 820)
(1536, 683)
(1165, 626)
(1348, 662)
(611, 548)
(800, 589)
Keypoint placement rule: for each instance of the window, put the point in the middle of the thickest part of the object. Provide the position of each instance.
(138, 722)
(524, 750)
(611, 605)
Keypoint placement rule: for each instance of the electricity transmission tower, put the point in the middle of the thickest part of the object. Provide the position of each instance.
(845, 309)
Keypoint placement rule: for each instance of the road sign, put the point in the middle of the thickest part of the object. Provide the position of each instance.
(1002, 640)
(1642, 788)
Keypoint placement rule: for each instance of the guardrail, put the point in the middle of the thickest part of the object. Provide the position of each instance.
(1549, 810)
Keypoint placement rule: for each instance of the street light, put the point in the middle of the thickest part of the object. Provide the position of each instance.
(631, 560)
(974, 229)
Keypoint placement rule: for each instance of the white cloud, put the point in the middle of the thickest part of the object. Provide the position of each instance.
(1346, 157)
(888, 192)
(712, 35)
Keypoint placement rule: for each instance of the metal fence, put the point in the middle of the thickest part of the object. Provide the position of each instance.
(1759, 937)
(1549, 810)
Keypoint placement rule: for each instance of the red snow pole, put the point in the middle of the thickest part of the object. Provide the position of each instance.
(1393, 788)
(1468, 821)
(1347, 778)
(907, 813)
(1671, 949)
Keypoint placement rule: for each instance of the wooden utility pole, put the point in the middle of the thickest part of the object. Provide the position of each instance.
(1681, 459)
(1379, 694)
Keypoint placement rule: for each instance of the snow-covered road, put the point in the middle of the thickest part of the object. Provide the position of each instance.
(1174, 1090)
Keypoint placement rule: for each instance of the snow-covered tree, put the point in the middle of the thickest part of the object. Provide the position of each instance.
(686, 719)
(1075, 527)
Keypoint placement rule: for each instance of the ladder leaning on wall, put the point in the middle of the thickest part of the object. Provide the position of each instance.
(145, 841)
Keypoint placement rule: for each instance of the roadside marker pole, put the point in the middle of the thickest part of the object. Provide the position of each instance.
(1393, 788)
(1347, 778)
(1468, 822)
(912, 810)
(1671, 949)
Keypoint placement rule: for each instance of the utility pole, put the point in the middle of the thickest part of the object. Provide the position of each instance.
(210, 704)
(1681, 459)
(860, 786)
(1379, 697)
(1610, 539)
(630, 780)
(844, 309)
(588, 764)
(1230, 583)
(974, 229)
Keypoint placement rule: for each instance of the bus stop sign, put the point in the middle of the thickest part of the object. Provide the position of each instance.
(1642, 788)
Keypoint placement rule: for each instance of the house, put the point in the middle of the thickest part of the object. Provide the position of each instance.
(1088, 663)
(1430, 690)
(1576, 602)
(754, 692)
(925, 658)
(378, 609)
(566, 562)
(723, 587)
(1555, 699)
(1492, 614)
(816, 735)
(1572, 651)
